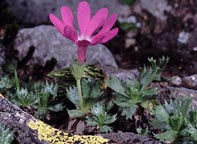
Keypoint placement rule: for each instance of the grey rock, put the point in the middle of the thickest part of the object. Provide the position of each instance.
(191, 81)
(37, 11)
(49, 43)
(156, 7)
(129, 138)
(176, 80)
(121, 74)
(178, 92)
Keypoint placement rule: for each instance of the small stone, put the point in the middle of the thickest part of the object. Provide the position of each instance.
(191, 81)
(176, 80)
(183, 37)
(80, 127)
(129, 42)
(195, 49)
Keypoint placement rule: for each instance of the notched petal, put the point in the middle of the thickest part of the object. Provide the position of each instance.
(67, 16)
(104, 37)
(70, 33)
(97, 21)
(59, 25)
(83, 16)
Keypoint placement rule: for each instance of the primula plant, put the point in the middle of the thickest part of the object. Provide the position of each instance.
(40, 96)
(45, 95)
(100, 117)
(6, 136)
(132, 93)
(177, 121)
(93, 30)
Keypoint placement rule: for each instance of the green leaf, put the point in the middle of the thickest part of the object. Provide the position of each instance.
(129, 112)
(194, 135)
(105, 128)
(162, 114)
(91, 88)
(5, 83)
(56, 108)
(24, 98)
(167, 136)
(193, 117)
(127, 26)
(100, 118)
(91, 121)
(161, 120)
(75, 113)
(115, 84)
(78, 69)
(188, 131)
(129, 2)
(184, 107)
(147, 76)
(72, 94)
(41, 113)
(176, 121)
(149, 93)
(6, 136)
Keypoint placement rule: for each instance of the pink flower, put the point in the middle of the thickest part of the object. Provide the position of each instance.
(95, 30)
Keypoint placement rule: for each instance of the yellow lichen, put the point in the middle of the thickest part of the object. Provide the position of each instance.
(55, 136)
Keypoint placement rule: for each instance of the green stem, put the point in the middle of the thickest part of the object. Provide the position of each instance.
(80, 93)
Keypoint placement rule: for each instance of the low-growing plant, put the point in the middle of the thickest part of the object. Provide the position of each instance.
(23, 97)
(100, 118)
(91, 91)
(132, 93)
(5, 83)
(39, 95)
(142, 131)
(45, 94)
(6, 136)
(176, 119)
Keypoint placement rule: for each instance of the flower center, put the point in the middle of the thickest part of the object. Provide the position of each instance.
(82, 38)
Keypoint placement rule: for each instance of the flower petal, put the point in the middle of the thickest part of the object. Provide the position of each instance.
(70, 33)
(67, 16)
(59, 25)
(97, 21)
(109, 23)
(104, 37)
(83, 16)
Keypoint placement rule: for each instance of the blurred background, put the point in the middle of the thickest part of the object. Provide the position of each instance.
(147, 28)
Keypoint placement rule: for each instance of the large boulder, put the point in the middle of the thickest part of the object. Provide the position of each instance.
(49, 43)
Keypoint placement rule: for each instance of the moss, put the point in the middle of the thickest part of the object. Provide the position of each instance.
(55, 136)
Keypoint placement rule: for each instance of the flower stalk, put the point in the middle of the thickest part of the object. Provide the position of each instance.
(80, 93)
(78, 70)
